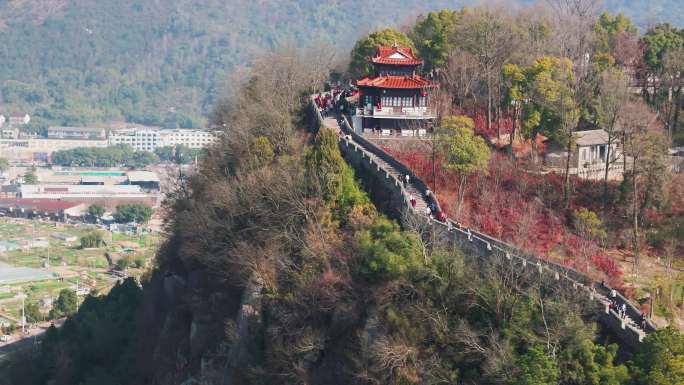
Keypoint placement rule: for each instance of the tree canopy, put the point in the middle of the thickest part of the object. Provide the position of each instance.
(138, 213)
(661, 359)
(433, 36)
(659, 40)
(367, 46)
(114, 156)
(30, 177)
(4, 165)
(96, 210)
(65, 304)
(461, 148)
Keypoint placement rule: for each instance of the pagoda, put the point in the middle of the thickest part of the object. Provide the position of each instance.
(394, 99)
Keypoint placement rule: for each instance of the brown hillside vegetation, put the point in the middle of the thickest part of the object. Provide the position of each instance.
(279, 270)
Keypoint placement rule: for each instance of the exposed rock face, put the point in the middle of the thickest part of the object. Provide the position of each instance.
(247, 326)
(201, 334)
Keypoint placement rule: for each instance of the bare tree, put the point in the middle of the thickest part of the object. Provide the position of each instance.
(646, 147)
(673, 72)
(573, 28)
(459, 75)
(490, 38)
(613, 95)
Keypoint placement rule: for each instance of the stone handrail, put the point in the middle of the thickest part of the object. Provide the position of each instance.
(488, 245)
(398, 166)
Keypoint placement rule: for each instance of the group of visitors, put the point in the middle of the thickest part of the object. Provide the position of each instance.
(621, 309)
(324, 102)
(431, 210)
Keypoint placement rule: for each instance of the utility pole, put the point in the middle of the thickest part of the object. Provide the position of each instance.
(22, 296)
(77, 295)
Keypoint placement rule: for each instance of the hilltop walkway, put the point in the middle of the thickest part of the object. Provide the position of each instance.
(627, 328)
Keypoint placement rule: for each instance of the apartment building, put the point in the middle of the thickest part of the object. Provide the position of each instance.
(149, 139)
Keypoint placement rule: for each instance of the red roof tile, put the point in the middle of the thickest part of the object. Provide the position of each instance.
(50, 205)
(408, 82)
(396, 56)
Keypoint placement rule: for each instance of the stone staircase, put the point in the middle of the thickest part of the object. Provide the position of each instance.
(422, 200)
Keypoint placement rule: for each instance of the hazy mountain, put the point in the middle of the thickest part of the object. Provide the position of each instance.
(164, 62)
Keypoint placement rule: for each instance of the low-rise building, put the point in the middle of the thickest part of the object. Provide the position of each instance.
(147, 180)
(80, 191)
(149, 139)
(146, 139)
(10, 133)
(64, 237)
(19, 119)
(588, 159)
(59, 132)
(40, 149)
(49, 208)
(188, 138)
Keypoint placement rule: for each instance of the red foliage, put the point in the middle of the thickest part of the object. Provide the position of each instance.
(606, 264)
(518, 207)
(480, 119)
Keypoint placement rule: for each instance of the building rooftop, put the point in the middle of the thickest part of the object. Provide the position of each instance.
(49, 205)
(81, 191)
(142, 176)
(75, 129)
(405, 82)
(591, 137)
(395, 56)
(104, 179)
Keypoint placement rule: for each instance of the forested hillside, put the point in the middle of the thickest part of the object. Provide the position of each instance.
(165, 63)
(278, 269)
(157, 63)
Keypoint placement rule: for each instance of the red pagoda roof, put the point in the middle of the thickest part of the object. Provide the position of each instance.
(408, 82)
(395, 55)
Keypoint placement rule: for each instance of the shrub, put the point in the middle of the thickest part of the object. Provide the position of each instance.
(92, 239)
(66, 304)
(387, 252)
(137, 213)
(123, 263)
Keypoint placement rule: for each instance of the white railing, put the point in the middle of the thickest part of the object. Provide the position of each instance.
(420, 112)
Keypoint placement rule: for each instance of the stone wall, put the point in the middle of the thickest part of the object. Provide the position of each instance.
(389, 195)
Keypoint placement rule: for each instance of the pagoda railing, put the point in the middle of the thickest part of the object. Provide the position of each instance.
(420, 112)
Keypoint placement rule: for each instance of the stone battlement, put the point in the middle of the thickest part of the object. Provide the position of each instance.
(383, 179)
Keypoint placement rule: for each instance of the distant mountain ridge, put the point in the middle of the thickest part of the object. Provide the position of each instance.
(165, 62)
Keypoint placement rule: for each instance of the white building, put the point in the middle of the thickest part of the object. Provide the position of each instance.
(149, 139)
(19, 119)
(138, 138)
(588, 159)
(80, 191)
(189, 138)
(59, 132)
(30, 149)
(2, 120)
(10, 133)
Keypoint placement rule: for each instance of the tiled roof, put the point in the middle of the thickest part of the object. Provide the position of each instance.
(396, 56)
(50, 205)
(407, 82)
(591, 137)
